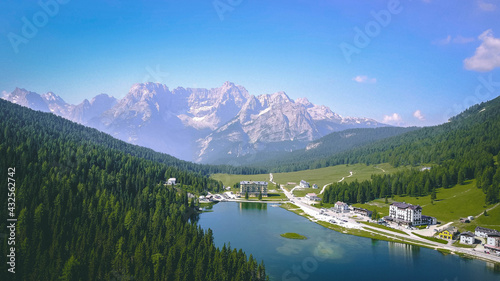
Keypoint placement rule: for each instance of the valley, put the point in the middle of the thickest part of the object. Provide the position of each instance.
(235, 140)
(320, 176)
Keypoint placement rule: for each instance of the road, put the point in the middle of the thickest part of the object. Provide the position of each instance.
(316, 213)
(345, 221)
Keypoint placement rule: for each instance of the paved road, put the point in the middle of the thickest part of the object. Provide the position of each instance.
(328, 215)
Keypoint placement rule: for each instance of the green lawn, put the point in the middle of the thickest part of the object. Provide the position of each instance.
(434, 239)
(451, 204)
(317, 176)
(291, 235)
(492, 220)
(270, 197)
(384, 227)
(303, 192)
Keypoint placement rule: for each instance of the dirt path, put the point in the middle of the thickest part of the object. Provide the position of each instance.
(487, 210)
(323, 190)
(343, 178)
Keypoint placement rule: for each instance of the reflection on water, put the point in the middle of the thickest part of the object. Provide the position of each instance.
(245, 206)
(399, 250)
(327, 255)
(495, 267)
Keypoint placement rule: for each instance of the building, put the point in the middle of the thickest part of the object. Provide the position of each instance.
(315, 186)
(361, 211)
(428, 220)
(340, 207)
(312, 197)
(467, 238)
(408, 214)
(304, 184)
(493, 242)
(254, 188)
(485, 232)
(448, 233)
(171, 181)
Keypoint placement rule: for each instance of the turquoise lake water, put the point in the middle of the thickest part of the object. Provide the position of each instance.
(329, 255)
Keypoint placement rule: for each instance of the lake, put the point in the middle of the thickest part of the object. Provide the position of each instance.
(329, 255)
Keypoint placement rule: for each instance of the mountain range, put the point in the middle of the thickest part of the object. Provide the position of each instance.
(201, 125)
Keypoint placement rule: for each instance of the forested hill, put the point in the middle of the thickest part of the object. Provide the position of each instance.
(62, 127)
(464, 148)
(326, 146)
(88, 210)
(470, 134)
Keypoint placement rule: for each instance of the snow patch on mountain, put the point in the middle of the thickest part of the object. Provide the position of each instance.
(200, 124)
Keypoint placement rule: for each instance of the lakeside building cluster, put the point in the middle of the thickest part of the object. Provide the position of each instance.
(254, 188)
(408, 214)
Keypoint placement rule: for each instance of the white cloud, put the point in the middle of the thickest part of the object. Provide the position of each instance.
(485, 6)
(487, 55)
(394, 119)
(463, 40)
(456, 40)
(444, 41)
(364, 79)
(418, 114)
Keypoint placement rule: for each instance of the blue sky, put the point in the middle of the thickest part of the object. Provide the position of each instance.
(426, 61)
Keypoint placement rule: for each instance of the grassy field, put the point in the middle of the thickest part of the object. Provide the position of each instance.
(492, 220)
(317, 176)
(374, 235)
(270, 197)
(451, 205)
(384, 227)
(433, 239)
(303, 192)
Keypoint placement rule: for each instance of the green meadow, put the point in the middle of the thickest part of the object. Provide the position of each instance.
(451, 204)
(320, 176)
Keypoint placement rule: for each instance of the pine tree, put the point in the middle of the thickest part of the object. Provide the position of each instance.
(246, 195)
(461, 177)
(428, 186)
(375, 215)
(260, 195)
(444, 182)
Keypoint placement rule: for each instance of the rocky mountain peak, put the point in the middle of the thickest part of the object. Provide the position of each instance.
(200, 124)
(304, 101)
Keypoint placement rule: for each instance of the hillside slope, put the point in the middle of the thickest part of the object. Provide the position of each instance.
(463, 149)
(469, 135)
(326, 146)
(87, 211)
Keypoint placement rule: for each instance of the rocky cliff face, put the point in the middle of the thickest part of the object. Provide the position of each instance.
(202, 125)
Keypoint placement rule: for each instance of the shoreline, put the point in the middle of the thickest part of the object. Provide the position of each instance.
(376, 233)
(384, 235)
(380, 234)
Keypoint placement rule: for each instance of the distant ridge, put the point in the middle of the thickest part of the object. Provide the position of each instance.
(201, 125)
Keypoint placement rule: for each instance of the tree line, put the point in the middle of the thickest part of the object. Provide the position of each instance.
(89, 211)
